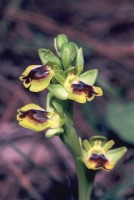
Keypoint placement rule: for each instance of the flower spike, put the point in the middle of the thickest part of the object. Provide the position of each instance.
(37, 77)
(36, 118)
(96, 153)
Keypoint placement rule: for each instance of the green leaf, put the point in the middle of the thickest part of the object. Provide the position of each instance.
(120, 118)
(80, 61)
(58, 91)
(54, 132)
(89, 77)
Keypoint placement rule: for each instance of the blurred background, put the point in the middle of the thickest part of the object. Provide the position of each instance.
(35, 168)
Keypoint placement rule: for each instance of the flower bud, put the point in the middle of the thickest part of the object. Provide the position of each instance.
(68, 54)
(60, 40)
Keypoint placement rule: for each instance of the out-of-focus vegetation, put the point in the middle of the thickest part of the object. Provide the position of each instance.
(32, 167)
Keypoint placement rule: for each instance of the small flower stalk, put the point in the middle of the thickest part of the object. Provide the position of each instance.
(64, 77)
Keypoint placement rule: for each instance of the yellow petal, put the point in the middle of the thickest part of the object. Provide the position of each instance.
(108, 145)
(87, 145)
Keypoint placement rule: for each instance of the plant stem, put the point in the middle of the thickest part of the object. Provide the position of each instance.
(70, 138)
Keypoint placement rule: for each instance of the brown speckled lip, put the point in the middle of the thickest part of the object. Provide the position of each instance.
(35, 115)
(82, 87)
(99, 159)
(37, 73)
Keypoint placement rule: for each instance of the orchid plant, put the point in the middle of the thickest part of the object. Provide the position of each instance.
(63, 76)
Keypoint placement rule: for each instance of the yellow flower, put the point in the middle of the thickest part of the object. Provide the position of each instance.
(80, 91)
(96, 153)
(37, 77)
(36, 118)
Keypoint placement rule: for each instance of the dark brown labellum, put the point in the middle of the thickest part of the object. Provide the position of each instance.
(37, 73)
(99, 159)
(82, 87)
(35, 115)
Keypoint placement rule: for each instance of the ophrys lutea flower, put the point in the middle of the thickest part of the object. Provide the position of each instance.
(37, 77)
(80, 91)
(96, 153)
(74, 88)
(36, 118)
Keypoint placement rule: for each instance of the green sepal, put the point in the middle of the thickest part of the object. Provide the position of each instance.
(89, 77)
(116, 154)
(95, 138)
(60, 78)
(58, 91)
(79, 61)
(60, 40)
(54, 132)
(42, 53)
(66, 58)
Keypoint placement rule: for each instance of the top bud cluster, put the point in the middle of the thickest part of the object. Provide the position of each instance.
(62, 74)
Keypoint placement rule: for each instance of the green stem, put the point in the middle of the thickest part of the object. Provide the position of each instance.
(84, 183)
(70, 138)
